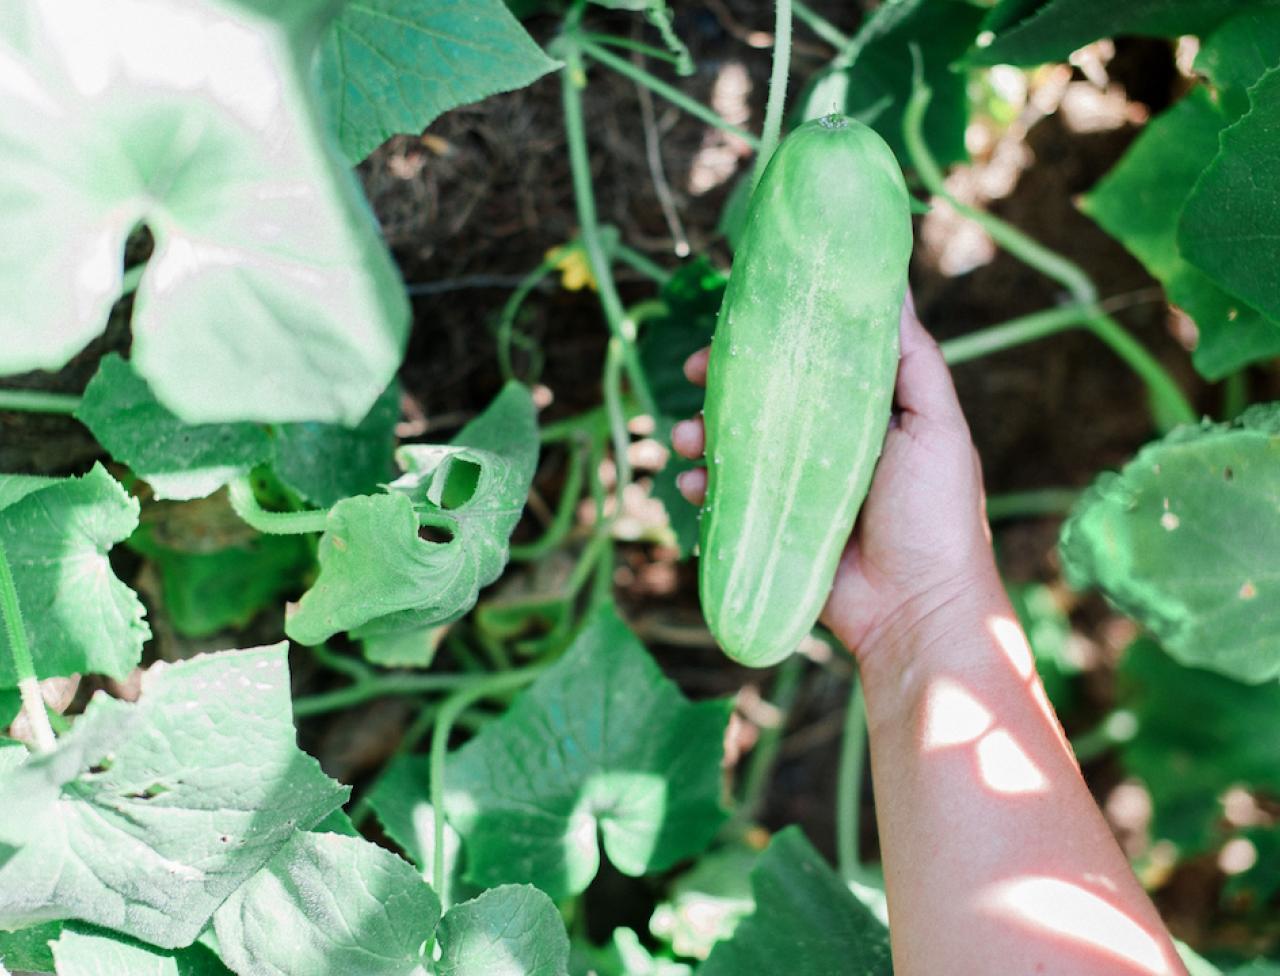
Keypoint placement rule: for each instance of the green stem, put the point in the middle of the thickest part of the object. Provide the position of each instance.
(771, 132)
(494, 650)
(24, 667)
(378, 686)
(627, 44)
(765, 754)
(562, 522)
(507, 318)
(826, 30)
(39, 401)
(245, 504)
(1116, 729)
(349, 666)
(1169, 403)
(461, 653)
(642, 263)
(454, 706)
(1235, 395)
(1015, 332)
(617, 418)
(1029, 504)
(849, 783)
(659, 87)
(623, 329)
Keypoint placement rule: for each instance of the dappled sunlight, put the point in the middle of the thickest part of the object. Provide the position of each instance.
(1006, 767)
(1079, 918)
(953, 716)
(1013, 643)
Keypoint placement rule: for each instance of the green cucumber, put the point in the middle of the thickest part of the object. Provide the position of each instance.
(800, 383)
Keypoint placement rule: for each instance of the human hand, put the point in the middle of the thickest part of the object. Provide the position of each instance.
(921, 540)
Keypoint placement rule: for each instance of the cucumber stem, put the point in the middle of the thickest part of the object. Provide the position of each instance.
(776, 104)
(23, 666)
(849, 783)
(826, 30)
(656, 85)
(765, 754)
(39, 401)
(245, 504)
(1029, 504)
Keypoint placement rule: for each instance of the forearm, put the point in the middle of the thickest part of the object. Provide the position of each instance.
(997, 859)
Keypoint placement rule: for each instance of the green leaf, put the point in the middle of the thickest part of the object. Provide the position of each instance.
(624, 955)
(873, 79)
(269, 295)
(205, 592)
(390, 66)
(147, 816)
(403, 648)
(28, 949)
(376, 574)
(10, 705)
(803, 912)
(329, 905)
(399, 799)
(1048, 631)
(1233, 740)
(81, 951)
(1139, 203)
(1051, 31)
(1228, 227)
(692, 297)
(179, 460)
(1259, 883)
(1184, 540)
(512, 930)
(1237, 54)
(79, 617)
(682, 516)
(325, 463)
(601, 742)
(707, 902)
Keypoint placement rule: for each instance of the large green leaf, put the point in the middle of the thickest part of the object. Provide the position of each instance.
(376, 574)
(269, 295)
(79, 617)
(147, 816)
(601, 742)
(400, 800)
(1139, 203)
(81, 951)
(1238, 53)
(322, 463)
(329, 905)
(873, 79)
(512, 930)
(1198, 735)
(806, 921)
(28, 949)
(1228, 227)
(1051, 31)
(390, 66)
(1185, 538)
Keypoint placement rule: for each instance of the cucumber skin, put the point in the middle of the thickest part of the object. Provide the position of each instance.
(800, 383)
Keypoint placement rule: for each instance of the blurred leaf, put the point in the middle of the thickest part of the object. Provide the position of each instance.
(193, 788)
(1028, 34)
(692, 297)
(391, 66)
(1048, 631)
(84, 951)
(872, 79)
(803, 912)
(1238, 53)
(79, 617)
(1260, 883)
(600, 743)
(682, 515)
(378, 576)
(10, 705)
(329, 905)
(1139, 203)
(404, 648)
(623, 955)
(28, 949)
(269, 295)
(1227, 228)
(1184, 540)
(205, 592)
(1198, 735)
(706, 903)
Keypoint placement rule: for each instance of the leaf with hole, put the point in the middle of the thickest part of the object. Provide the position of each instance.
(1184, 540)
(269, 295)
(601, 743)
(193, 789)
(419, 554)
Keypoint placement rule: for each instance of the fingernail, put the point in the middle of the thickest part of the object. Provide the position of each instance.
(682, 479)
(679, 431)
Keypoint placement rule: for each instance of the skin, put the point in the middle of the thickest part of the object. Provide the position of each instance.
(996, 858)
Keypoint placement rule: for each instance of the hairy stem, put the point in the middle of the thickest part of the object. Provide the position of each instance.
(24, 667)
(1029, 504)
(776, 104)
(849, 783)
(826, 30)
(39, 401)
(765, 754)
(378, 686)
(562, 521)
(1015, 332)
(245, 504)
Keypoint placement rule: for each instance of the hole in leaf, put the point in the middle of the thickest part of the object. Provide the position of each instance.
(150, 793)
(101, 766)
(435, 533)
(460, 479)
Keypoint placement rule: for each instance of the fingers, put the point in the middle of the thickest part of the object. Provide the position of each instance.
(924, 382)
(695, 367)
(693, 485)
(689, 438)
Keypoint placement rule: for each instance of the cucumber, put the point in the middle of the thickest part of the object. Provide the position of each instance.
(800, 382)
